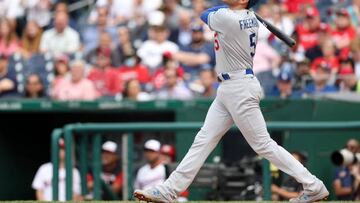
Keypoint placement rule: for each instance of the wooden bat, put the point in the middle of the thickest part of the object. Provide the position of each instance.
(278, 33)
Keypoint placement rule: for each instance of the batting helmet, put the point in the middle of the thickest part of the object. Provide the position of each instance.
(251, 3)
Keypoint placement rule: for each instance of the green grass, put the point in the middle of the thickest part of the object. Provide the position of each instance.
(135, 202)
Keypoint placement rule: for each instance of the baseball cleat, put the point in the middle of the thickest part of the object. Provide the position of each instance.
(308, 197)
(150, 195)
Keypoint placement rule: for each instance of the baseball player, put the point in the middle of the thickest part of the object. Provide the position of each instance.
(237, 101)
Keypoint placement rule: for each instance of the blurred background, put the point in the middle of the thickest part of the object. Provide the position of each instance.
(153, 60)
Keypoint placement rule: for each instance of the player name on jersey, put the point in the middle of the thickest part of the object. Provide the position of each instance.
(248, 23)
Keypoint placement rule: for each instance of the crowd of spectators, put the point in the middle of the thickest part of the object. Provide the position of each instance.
(159, 49)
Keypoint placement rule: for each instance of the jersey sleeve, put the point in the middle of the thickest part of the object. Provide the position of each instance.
(218, 20)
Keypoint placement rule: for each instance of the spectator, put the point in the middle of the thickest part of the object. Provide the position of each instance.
(207, 84)
(329, 57)
(61, 38)
(181, 35)
(295, 6)
(158, 79)
(133, 69)
(30, 41)
(153, 173)
(77, 87)
(197, 55)
(324, 35)
(34, 88)
(9, 43)
(125, 47)
(302, 77)
(308, 36)
(172, 10)
(198, 6)
(111, 172)
(266, 58)
(174, 88)
(43, 178)
(61, 63)
(289, 188)
(106, 78)
(347, 79)
(132, 91)
(344, 32)
(343, 179)
(151, 51)
(8, 83)
(282, 22)
(321, 78)
(168, 154)
(63, 7)
(105, 45)
(283, 88)
(39, 11)
(92, 33)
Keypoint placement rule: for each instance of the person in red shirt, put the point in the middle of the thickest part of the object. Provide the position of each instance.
(158, 79)
(106, 78)
(329, 57)
(133, 69)
(308, 30)
(344, 32)
(294, 6)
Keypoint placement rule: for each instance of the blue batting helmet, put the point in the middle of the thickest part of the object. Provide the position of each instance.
(252, 3)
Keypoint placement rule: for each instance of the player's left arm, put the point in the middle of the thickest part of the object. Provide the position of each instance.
(205, 15)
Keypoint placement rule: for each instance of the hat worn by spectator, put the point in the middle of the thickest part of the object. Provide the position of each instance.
(324, 27)
(197, 28)
(312, 12)
(284, 77)
(168, 150)
(152, 145)
(109, 146)
(156, 19)
(343, 12)
(62, 58)
(61, 143)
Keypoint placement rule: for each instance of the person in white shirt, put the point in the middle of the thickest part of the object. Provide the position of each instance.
(154, 172)
(42, 182)
(60, 39)
(152, 50)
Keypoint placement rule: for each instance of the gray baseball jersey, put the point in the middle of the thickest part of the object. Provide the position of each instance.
(235, 38)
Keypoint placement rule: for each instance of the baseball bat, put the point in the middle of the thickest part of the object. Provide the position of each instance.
(278, 33)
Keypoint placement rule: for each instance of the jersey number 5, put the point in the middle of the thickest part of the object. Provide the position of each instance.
(216, 42)
(253, 43)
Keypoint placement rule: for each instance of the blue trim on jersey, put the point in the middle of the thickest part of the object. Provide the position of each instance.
(204, 16)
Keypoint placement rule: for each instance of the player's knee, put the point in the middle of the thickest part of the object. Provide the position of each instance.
(264, 147)
(204, 137)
